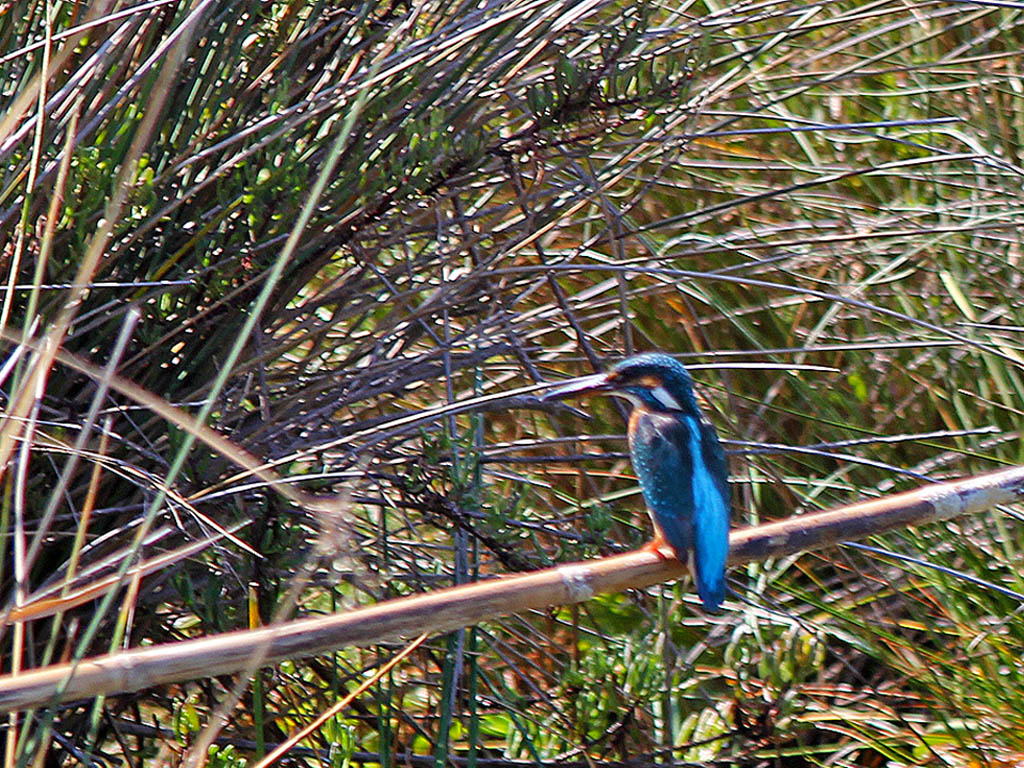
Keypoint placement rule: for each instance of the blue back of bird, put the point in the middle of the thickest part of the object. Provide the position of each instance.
(684, 478)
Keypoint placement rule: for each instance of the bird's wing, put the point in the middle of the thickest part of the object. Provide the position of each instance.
(711, 520)
(684, 477)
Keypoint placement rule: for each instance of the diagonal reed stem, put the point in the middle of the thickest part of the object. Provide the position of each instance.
(461, 606)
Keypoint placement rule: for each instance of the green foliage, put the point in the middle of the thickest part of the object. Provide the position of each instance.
(525, 191)
(226, 757)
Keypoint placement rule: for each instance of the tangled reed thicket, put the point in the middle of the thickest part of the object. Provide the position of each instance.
(331, 219)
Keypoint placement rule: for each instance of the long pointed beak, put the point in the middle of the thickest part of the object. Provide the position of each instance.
(584, 385)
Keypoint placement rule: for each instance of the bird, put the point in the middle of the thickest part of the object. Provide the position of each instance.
(676, 454)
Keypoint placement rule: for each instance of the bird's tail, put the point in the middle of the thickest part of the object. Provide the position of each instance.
(711, 550)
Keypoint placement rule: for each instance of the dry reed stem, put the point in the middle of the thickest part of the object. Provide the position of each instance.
(455, 607)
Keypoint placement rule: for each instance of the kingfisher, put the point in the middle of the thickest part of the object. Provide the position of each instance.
(683, 472)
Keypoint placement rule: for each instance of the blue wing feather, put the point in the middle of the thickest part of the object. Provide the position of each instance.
(711, 521)
(683, 474)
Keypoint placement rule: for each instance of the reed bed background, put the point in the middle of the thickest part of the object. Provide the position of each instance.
(314, 227)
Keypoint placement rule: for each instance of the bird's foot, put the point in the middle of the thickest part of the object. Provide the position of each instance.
(655, 545)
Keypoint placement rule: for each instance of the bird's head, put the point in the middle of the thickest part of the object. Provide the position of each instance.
(653, 381)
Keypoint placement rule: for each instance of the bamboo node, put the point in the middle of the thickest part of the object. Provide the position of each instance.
(578, 582)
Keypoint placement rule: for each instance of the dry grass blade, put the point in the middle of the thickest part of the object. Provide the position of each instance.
(357, 236)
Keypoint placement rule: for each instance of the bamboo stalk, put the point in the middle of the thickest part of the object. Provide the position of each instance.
(455, 607)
